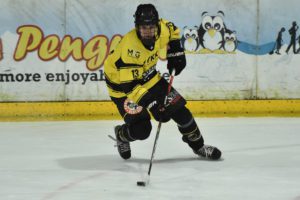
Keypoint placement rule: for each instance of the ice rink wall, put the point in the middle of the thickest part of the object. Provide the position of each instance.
(52, 55)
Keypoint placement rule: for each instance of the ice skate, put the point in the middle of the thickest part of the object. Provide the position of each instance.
(123, 147)
(210, 152)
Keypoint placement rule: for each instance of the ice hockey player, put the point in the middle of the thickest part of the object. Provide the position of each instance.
(135, 86)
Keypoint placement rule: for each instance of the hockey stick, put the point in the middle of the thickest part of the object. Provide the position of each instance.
(143, 183)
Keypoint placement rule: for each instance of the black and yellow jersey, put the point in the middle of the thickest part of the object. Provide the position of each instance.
(130, 70)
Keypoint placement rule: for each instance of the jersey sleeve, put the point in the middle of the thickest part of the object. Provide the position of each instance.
(168, 33)
(174, 31)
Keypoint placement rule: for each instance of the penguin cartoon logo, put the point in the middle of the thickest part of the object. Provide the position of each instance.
(190, 39)
(211, 32)
(230, 41)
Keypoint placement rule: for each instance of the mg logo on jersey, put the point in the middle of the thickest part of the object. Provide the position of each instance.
(133, 53)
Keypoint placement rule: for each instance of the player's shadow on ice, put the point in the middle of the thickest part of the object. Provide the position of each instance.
(114, 162)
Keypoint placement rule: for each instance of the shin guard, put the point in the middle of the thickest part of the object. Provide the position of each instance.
(191, 134)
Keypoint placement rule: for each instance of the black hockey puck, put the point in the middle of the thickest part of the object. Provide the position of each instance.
(141, 183)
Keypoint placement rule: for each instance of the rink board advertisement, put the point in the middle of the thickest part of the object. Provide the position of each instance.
(55, 50)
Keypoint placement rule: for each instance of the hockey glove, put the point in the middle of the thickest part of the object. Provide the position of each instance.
(176, 57)
(159, 112)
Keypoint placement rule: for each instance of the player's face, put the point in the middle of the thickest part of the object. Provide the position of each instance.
(147, 31)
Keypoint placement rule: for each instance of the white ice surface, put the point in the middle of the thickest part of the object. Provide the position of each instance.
(77, 161)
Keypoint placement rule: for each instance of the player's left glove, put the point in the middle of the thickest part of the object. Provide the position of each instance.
(176, 57)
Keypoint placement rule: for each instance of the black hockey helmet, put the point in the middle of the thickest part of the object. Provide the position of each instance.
(146, 14)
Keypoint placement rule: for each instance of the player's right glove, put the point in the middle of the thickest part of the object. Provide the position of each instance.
(159, 112)
(176, 57)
